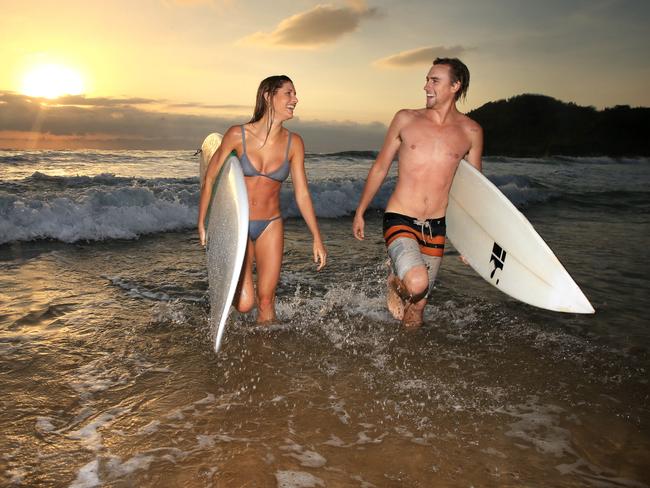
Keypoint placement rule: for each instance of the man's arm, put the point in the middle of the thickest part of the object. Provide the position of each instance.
(379, 170)
(474, 156)
(475, 152)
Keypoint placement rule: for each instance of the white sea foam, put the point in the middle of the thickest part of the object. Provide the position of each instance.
(16, 476)
(125, 213)
(335, 441)
(337, 405)
(118, 468)
(363, 438)
(363, 483)
(105, 206)
(89, 434)
(309, 459)
(44, 424)
(135, 291)
(205, 441)
(207, 400)
(114, 467)
(538, 426)
(297, 479)
(88, 476)
(150, 428)
(306, 457)
(92, 378)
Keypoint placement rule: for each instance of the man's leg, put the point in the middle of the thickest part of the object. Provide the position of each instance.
(413, 314)
(394, 296)
(408, 284)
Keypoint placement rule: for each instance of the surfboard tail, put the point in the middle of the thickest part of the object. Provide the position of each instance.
(235, 226)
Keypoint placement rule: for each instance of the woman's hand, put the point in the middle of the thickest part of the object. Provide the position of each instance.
(320, 254)
(202, 237)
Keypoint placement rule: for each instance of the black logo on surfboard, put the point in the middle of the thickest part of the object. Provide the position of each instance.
(498, 259)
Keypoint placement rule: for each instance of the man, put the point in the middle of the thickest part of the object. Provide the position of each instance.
(430, 143)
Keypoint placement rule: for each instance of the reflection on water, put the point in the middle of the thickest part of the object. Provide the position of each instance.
(105, 353)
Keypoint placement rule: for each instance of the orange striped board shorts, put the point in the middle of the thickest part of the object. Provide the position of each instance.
(412, 242)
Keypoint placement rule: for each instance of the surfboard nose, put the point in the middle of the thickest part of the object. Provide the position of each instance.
(573, 300)
(583, 305)
(585, 308)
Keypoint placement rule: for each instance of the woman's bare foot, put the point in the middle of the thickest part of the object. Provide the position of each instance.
(393, 299)
(266, 316)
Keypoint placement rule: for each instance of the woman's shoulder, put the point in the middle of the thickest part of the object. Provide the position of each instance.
(295, 137)
(297, 144)
(233, 133)
(234, 129)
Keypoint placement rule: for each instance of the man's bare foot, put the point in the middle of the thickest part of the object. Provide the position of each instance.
(393, 299)
(413, 316)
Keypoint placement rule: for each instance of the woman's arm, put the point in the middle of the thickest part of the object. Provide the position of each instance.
(303, 198)
(229, 142)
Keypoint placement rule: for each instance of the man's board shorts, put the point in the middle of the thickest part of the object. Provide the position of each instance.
(412, 242)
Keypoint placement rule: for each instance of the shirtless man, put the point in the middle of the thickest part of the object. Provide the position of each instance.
(430, 143)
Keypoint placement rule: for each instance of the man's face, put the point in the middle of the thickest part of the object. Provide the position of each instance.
(438, 87)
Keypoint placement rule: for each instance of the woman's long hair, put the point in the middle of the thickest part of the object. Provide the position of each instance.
(268, 85)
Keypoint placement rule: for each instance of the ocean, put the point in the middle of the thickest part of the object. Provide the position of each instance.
(108, 376)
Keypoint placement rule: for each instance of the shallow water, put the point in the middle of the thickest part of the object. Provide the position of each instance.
(113, 381)
(110, 380)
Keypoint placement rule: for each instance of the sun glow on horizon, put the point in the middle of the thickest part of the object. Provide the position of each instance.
(52, 81)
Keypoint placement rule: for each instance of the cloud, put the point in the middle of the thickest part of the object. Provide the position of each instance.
(27, 123)
(90, 117)
(420, 56)
(82, 100)
(323, 24)
(96, 101)
(238, 108)
(184, 3)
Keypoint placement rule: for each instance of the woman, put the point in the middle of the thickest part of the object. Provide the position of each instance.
(268, 153)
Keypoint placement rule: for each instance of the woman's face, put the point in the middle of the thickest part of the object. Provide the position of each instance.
(284, 101)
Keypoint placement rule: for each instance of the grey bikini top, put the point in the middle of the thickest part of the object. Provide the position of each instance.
(280, 174)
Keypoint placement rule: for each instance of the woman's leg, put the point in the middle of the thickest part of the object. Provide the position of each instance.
(244, 300)
(268, 261)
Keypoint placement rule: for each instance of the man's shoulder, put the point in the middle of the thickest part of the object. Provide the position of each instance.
(468, 123)
(407, 114)
(407, 117)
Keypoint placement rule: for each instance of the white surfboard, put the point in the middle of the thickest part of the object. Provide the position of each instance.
(504, 248)
(227, 234)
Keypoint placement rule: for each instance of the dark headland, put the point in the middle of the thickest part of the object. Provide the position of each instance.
(538, 125)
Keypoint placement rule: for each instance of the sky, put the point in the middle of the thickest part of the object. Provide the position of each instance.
(162, 74)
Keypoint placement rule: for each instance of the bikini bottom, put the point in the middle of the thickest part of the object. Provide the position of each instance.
(257, 227)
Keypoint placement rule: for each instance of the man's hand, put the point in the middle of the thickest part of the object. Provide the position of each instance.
(358, 225)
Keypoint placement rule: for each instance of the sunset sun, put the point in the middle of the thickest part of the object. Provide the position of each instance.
(52, 81)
